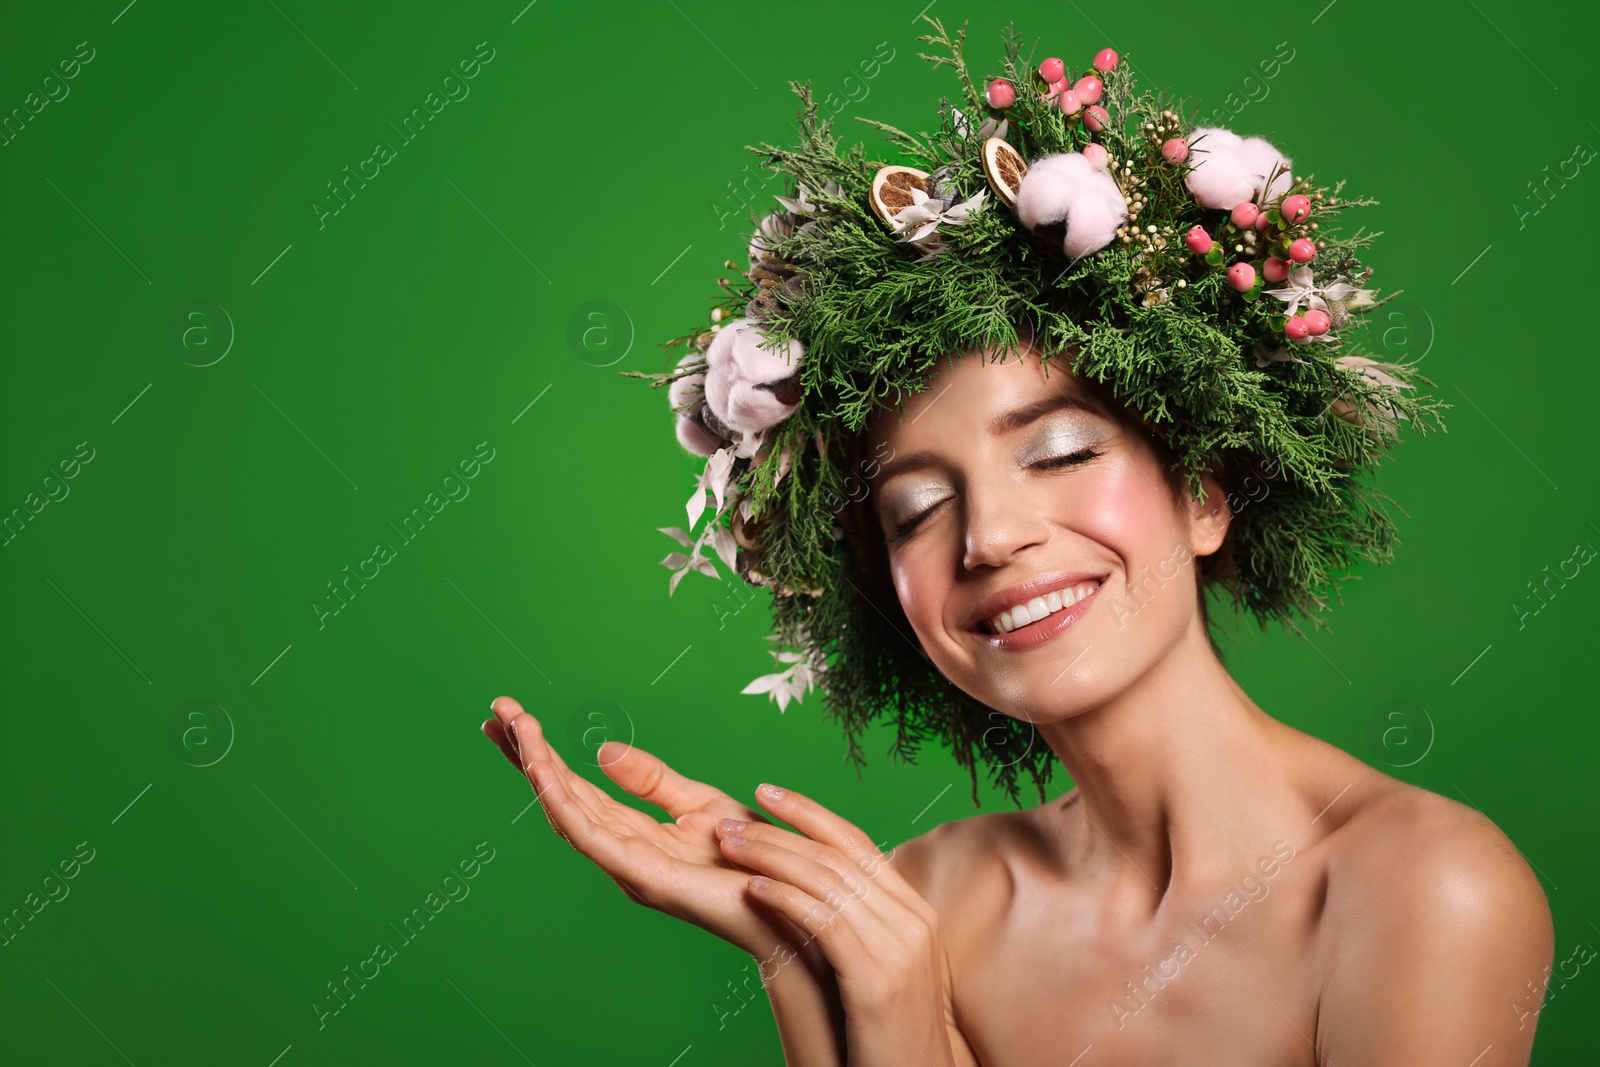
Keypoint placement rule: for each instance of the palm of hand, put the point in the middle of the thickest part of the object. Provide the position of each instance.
(675, 867)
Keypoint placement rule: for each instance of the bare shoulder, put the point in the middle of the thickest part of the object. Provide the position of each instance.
(959, 862)
(1420, 849)
(1435, 924)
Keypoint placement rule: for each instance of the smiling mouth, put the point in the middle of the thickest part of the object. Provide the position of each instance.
(1026, 615)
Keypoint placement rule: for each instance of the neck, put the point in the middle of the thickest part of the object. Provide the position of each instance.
(1181, 778)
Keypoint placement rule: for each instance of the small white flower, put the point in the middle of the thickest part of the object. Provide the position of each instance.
(721, 542)
(1337, 300)
(801, 204)
(685, 565)
(1266, 358)
(714, 478)
(1378, 414)
(991, 127)
(792, 683)
(927, 214)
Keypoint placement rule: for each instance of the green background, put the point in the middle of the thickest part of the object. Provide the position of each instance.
(266, 797)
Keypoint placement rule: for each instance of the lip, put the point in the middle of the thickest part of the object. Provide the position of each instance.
(1039, 585)
(1035, 634)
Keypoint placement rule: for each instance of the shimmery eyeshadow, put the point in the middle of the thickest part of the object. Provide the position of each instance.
(904, 504)
(1068, 433)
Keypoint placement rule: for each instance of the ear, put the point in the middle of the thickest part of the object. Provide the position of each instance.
(1208, 521)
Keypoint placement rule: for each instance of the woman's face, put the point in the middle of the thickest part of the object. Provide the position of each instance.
(1001, 487)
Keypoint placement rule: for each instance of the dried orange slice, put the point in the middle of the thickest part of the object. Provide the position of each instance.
(891, 189)
(1004, 169)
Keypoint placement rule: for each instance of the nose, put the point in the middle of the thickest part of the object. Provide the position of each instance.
(1002, 520)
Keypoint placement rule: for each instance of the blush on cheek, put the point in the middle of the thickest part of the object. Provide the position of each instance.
(1129, 514)
(1128, 511)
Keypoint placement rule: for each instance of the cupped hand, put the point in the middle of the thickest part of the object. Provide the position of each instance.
(675, 867)
(880, 936)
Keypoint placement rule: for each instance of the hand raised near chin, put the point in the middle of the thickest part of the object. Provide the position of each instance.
(675, 867)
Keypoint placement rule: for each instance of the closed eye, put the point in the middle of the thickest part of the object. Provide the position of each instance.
(1066, 461)
(1053, 463)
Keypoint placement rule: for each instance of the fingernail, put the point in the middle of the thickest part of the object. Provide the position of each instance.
(759, 882)
(733, 839)
(771, 792)
(732, 826)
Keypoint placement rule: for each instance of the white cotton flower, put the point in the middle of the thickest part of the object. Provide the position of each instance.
(687, 399)
(748, 386)
(1066, 188)
(1225, 169)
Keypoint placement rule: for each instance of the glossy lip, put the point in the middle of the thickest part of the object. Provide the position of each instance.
(1024, 592)
(1037, 633)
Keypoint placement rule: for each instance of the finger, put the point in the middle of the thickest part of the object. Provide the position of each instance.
(507, 710)
(528, 740)
(843, 892)
(819, 824)
(852, 876)
(569, 819)
(495, 732)
(531, 744)
(650, 779)
(840, 942)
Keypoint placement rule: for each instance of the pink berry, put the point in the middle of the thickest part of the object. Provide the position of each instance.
(1297, 328)
(1001, 94)
(1051, 70)
(1054, 90)
(1295, 208)
(1275, 269)
(1199, 242)
(1097, 118)
(1302, 250)
(1089, 89)
(1317, 322)
(1263, 222)
(1244, 215)
(1105, 60)
(1241, 276)
(1069, 103)
(1097, 155)
(1174, 150)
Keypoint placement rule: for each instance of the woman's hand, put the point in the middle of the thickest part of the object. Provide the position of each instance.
(677, 867)
(878, 933)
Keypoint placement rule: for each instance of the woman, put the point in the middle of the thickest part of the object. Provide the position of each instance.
(1219, 887)
(1008, 549)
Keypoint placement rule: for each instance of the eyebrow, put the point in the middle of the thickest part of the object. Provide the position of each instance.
(1002, 424)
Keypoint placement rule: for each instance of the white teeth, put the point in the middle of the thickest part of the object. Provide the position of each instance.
(1039, 607)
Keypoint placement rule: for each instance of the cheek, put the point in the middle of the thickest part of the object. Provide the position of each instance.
(1128, 510)
(915, 581)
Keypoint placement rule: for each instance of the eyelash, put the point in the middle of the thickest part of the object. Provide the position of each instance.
(1053, 463)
